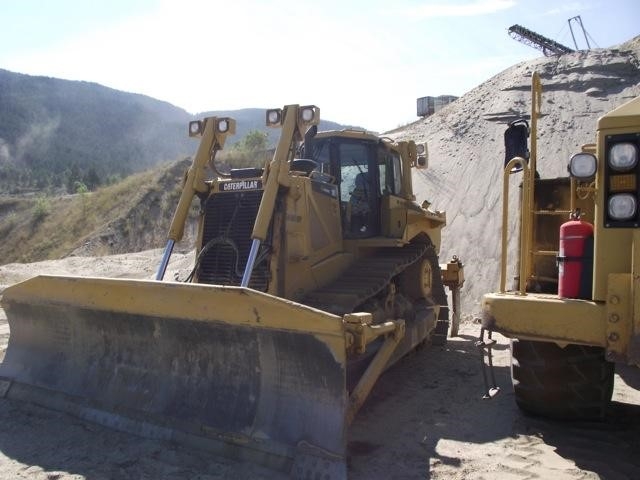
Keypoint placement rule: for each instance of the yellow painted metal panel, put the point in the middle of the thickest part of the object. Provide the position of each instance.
(206, 303)
(619, 317)
(545, 317)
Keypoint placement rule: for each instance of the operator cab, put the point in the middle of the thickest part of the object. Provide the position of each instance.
(365, 170)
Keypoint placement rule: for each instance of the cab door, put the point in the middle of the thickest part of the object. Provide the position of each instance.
(392, 205)
(359, 188)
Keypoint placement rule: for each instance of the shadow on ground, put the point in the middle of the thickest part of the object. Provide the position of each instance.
(437, 395)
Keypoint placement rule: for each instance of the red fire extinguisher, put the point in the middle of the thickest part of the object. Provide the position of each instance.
(575, 258)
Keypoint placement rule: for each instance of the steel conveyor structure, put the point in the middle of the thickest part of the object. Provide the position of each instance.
(546, 45)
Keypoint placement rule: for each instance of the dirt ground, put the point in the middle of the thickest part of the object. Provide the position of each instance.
(425, 419)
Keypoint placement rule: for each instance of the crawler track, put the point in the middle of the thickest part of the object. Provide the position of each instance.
(367, 277)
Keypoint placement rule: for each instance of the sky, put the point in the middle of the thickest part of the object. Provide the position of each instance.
(363, 62)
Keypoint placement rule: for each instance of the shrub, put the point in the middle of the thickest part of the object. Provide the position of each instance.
(41, 209)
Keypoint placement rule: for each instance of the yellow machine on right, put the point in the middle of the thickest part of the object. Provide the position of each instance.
(574, 310)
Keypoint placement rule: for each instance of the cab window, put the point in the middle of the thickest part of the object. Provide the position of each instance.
(390, 169)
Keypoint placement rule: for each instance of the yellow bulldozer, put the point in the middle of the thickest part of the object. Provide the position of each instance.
(574, 309)
(313, 275)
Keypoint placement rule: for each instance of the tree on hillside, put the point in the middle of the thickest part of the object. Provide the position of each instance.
(250, 151)
(254, 141)
(92, 179)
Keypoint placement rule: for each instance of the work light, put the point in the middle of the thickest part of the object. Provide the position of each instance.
(623, 156)
(622, 206)
(223, 125)
(274, 117)
(583, 166)
(307, 114)
(195, 128)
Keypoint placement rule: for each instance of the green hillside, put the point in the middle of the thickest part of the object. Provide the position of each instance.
(56, 132)
(131, 215)
(85, 169)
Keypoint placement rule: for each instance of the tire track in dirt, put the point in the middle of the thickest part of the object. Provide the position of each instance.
(611, 448)
(532, 458)
(426, 418)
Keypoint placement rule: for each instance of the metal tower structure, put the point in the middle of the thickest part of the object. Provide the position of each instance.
(578, 20)
(549, 47)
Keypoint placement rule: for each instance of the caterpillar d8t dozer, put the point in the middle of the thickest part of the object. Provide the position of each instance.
(313, 275)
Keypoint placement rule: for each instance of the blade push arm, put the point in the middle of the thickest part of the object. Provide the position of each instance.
(294, 120)
(213, 132)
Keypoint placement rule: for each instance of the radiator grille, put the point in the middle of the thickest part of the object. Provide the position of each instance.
(228, 222)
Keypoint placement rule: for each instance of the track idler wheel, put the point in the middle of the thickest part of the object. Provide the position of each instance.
(423, 280)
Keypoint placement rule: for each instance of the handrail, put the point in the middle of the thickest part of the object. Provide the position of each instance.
(525, 222)
(536, 105)
(528, 186)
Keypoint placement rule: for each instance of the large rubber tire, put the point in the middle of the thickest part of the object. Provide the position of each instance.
(575, 382)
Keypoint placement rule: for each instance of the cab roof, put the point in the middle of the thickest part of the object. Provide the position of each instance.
(626, 115)
(349, 133)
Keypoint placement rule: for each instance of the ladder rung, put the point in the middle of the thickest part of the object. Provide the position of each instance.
(547, 253)
(543, 279)
(552, 212)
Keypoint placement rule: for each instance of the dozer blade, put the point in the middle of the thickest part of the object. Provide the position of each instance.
(238, 372)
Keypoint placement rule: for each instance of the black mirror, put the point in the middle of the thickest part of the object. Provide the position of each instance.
(308, 141)
(516, 142)
(305, 165)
